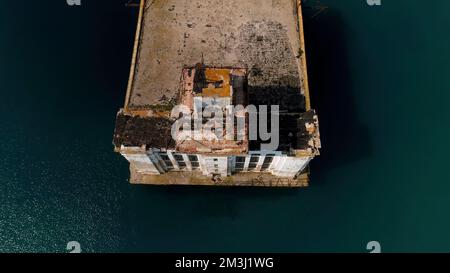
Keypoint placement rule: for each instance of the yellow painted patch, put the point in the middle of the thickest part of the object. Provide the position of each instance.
(214, 75)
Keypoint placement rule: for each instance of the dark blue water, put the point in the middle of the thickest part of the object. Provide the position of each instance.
(378, 79)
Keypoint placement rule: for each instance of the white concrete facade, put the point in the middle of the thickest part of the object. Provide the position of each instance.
(156, 162)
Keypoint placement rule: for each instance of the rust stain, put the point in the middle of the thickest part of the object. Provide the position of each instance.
(218, 83)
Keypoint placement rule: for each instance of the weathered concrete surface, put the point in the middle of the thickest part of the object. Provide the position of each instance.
(261, 35)
(196, 178)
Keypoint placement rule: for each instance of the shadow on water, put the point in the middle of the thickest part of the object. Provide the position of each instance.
(115, 25)
(344, 138)
(196, 212)
(207, 202)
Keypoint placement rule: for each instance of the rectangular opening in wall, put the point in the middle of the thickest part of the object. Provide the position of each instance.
(194, 162)
(166, 160)
(253, 162)
(181, 164)
(193, 158)
(239, 164)
(180, 161)
(267, 162)
(240, 159)
(178, 157)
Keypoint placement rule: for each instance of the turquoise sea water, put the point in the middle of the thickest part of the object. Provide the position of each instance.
(379, 80)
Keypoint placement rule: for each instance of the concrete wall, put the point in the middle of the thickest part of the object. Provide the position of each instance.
(156, 162)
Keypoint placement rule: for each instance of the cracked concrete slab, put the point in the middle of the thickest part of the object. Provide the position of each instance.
(261, 35)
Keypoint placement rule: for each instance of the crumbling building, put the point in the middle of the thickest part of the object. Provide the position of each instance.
(213, 53)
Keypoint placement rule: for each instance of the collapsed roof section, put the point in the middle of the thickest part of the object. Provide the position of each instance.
(141, 129)
(208, 93)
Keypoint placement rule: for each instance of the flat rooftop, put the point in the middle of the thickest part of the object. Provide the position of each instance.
(261, 36)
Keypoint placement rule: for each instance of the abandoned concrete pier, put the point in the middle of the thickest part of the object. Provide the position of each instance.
(203, 53)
